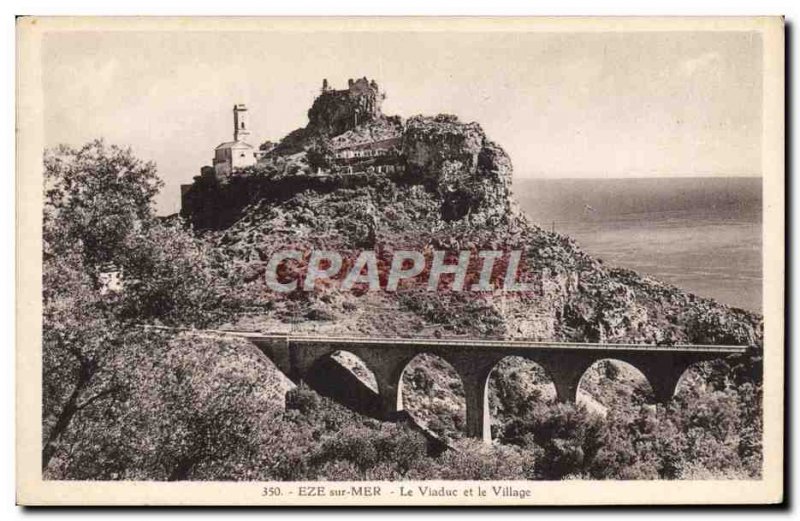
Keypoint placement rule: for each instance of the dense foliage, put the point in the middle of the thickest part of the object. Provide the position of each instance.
(98, 221)
(704, 432)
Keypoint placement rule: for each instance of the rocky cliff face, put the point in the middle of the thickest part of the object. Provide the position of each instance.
(466, 170)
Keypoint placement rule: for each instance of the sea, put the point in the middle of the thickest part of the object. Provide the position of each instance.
(701, 234)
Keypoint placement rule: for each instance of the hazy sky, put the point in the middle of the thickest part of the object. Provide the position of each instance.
(561, 104)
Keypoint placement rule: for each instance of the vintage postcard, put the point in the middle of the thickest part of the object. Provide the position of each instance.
(400, 261)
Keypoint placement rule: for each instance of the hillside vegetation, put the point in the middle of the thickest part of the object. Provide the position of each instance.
(126, 403)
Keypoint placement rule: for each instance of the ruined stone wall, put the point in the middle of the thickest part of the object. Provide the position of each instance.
(337, 111)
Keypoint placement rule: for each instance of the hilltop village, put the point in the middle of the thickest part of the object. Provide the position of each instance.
(348, 142)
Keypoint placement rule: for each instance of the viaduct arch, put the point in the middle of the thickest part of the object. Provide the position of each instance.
(474, 360)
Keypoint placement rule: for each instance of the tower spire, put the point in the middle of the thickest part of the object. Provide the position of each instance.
(241, 129)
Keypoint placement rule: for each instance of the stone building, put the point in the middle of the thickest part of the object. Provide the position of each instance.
(337, 111)
(368, 150)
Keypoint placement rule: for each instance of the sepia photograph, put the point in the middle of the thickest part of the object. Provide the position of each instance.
(400, 261)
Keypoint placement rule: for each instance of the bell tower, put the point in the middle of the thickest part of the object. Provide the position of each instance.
(241, 129)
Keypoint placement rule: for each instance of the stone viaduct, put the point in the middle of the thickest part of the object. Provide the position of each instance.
(474, 360)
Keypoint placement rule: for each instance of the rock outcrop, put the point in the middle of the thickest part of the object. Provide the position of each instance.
(337, 111)
(467, 171)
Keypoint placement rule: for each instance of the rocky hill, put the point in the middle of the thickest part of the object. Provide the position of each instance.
(441, 184)
(450, 190)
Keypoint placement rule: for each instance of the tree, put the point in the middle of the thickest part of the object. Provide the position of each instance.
(98, 215)
(95, 196)
(172, 278)
(320, 154)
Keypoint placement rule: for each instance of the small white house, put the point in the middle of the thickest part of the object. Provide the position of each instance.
(110, 280)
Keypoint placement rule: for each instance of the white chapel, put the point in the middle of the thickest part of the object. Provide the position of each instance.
(237, 153)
